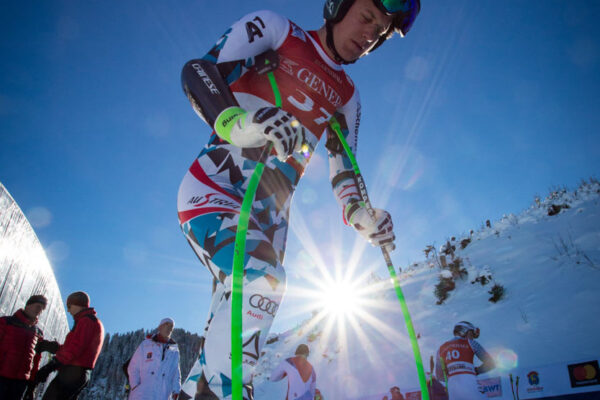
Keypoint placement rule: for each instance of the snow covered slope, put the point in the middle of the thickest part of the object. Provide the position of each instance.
(549, 267)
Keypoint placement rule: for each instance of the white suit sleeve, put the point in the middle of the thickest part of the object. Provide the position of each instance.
(279, 372)
(341, 173)
(133, 369)
(253, 34)
(313, 384)
(177, 377)
(484, 356)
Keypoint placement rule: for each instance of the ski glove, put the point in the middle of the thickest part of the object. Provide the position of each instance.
(30, 392)
(46, 345)
(254, 128)
(379, 232)
(46, 370)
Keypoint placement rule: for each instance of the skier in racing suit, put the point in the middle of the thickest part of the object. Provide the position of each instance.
(228, 92)
(455, 362)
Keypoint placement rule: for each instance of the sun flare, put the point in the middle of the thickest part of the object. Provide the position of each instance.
(345, 297)
(341, 299)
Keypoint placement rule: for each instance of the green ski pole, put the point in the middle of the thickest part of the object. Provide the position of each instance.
(512, 388)
(445, 373)
(239, 253)
(335, 125)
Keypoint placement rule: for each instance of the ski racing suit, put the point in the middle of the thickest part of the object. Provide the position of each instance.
(458, 354)
(313, 88)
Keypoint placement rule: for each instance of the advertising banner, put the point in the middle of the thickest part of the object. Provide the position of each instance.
(568, 380)
(559, 379)
(584, 374)
(491, 387)
(413, 395)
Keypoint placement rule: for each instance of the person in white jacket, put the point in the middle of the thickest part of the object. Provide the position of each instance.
(302, 379)
(154, 368)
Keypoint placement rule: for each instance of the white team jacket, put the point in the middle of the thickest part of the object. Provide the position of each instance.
(297, 388)
(154, 371)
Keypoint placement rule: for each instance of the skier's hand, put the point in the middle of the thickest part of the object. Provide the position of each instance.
(254, 128)
(282, 129)
(379, 232)
(175, 396)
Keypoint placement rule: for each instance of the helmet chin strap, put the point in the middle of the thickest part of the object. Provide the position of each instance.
(329, 40)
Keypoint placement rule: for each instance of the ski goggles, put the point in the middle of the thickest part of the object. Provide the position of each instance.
(470, 327)
(406, 10)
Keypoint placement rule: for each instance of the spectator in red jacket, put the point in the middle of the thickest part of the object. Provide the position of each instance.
(76, 358)
(19, 361)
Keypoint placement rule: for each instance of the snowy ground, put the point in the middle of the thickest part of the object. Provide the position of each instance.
(549, 267)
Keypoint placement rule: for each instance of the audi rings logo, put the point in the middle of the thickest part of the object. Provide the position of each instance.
(264, 304)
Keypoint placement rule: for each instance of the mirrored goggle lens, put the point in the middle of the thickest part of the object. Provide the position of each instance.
(395, 6)
(406, 9)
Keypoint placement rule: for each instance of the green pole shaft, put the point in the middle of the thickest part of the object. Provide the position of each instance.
(407, 320)
(238, 281)
(237, 294)
(445, 373)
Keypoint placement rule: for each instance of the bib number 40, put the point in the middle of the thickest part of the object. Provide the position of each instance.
(452, 355)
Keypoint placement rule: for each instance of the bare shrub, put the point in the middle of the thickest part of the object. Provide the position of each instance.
(457, 269)
(497, 292)
(444, 286)
(464, 243)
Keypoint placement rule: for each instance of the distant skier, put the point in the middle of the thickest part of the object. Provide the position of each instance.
(302, 379)
(455, 363)
(228, 92)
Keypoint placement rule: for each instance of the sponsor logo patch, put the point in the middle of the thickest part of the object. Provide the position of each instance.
(264, 304)
(213, 199)
(254, 315)
(205, 78)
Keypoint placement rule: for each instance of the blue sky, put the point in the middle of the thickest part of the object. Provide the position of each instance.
(482, 106)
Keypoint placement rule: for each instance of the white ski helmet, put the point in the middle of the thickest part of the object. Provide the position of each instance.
(463, 327)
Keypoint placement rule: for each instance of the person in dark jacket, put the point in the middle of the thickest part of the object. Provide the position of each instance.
(396, 393)
(76, 358)
(19, 361)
